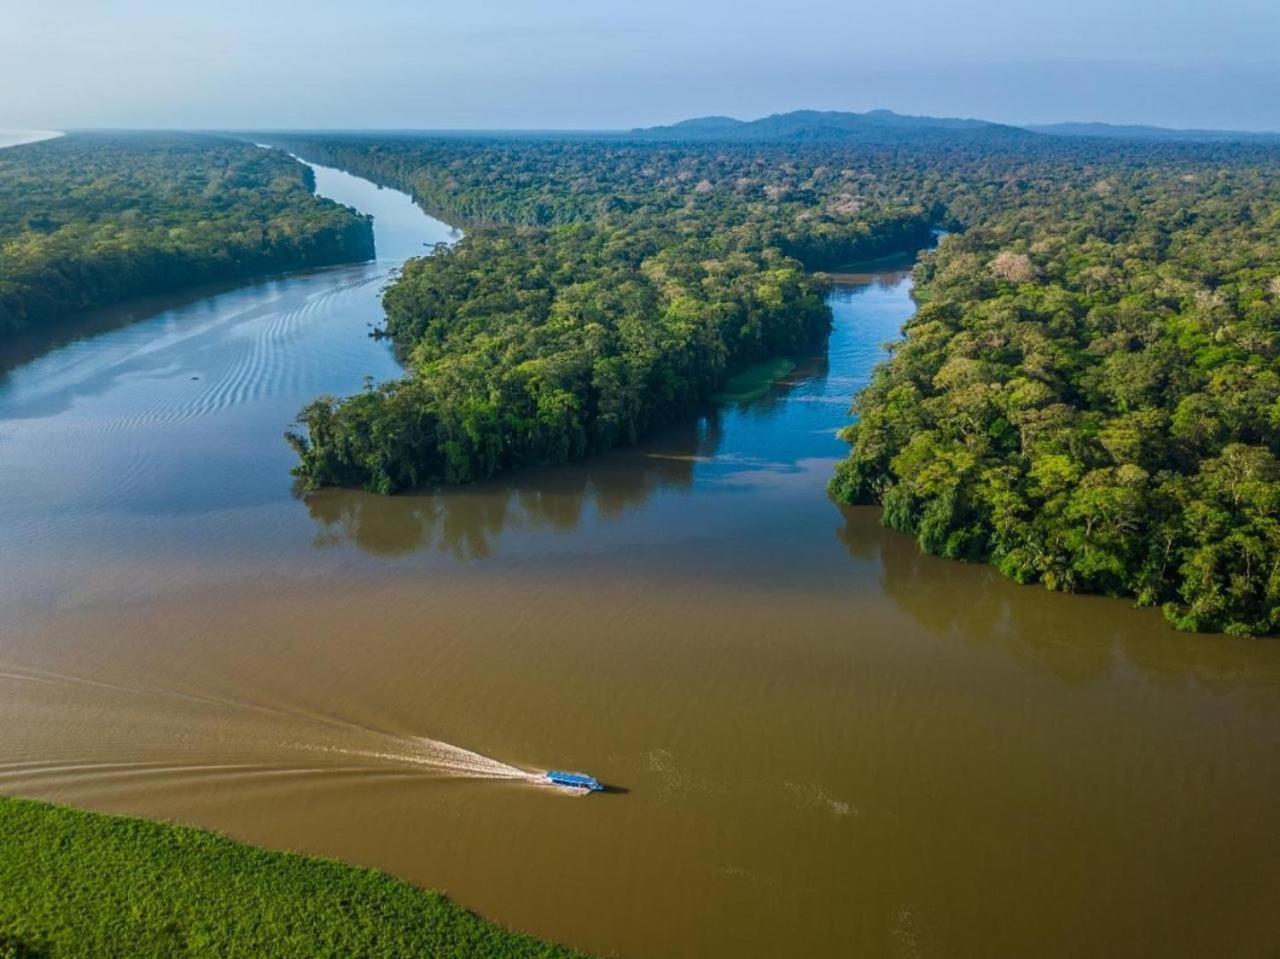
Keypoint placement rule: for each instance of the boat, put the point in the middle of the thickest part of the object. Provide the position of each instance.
(575, 781)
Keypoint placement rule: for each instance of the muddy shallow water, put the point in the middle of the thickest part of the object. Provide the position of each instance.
(822, 742)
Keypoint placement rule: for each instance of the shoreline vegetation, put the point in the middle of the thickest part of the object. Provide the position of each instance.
(1089, 394)
(600, 291)
(82, 884)
(1089, 397)
(90, 220)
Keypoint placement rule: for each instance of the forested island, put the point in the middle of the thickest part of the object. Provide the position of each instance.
(92, 219)
(1089, 396)
(599, 292)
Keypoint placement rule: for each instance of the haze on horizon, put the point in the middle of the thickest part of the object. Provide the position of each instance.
(606, 64)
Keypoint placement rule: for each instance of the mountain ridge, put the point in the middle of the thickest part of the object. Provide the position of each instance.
(1145, 131)
(827, 125)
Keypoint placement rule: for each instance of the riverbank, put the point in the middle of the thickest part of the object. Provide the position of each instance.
(788, 691)
(98, 219)
(84, 884)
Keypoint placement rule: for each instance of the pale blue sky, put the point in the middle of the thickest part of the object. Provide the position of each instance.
(607, 64)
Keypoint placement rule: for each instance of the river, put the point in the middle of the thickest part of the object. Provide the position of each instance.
(14, 138)
(821, 741)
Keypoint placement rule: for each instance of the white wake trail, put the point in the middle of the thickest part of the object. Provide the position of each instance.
(377, 749)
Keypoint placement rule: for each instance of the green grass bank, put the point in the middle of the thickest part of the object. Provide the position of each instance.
(79, 884)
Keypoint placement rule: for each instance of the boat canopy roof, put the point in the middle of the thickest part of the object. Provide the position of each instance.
(572, 779)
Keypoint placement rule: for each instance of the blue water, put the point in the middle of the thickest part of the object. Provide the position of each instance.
(829, 743)
(142, 449)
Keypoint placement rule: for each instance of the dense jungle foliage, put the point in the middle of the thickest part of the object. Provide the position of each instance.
(528, 350)
(795, 201)
(588, 302)
(88, 220)
(1088, 397)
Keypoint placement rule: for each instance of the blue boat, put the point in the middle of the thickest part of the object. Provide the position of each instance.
(574, 780)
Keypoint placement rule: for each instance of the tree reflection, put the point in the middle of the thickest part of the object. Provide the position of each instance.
(1078, 638)
(469, 522)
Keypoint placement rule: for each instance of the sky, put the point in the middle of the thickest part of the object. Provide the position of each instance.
(608, 64)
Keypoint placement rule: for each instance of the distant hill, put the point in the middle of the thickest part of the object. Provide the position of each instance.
(876, 125)
(887, 126)
(702, 125)
(1133, 131)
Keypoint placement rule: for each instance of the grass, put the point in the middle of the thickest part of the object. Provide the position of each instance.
(755, 381)
(83, 884)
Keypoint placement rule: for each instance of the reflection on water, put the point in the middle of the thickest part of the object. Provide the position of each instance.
(783, 441)
(155, 429)
(468, 523)
(1079, 639)
(829, 744)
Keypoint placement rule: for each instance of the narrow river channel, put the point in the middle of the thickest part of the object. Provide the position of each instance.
(823, 743)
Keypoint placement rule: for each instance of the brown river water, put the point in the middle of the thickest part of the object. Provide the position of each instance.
(820, 741)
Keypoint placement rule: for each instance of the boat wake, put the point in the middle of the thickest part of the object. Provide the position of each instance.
(198, 733)
(431, 756)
